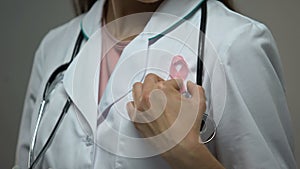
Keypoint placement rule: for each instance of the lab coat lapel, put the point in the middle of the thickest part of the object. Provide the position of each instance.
(132, 60)
(81, 78)
(91, 21)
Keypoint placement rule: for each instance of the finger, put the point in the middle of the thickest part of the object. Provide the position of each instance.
(150, 80)
(137, 92)
(174, 83)
(149, 85)
(198, 97)
(195, 90)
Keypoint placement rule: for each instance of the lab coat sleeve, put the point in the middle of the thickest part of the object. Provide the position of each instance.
(255, 130)
(29, 106)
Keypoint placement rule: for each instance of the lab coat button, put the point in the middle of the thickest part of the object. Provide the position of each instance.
(89, 141)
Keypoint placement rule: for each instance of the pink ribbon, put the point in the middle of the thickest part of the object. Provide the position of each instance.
(179, 69)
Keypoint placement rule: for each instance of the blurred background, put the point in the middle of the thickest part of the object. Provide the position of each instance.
(24, 23)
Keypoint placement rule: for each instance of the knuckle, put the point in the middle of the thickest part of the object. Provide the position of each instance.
(151, 75)
(137, 84)
(174, 81)
(161, 85)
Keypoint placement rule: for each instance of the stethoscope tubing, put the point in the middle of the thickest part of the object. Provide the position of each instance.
(62, 68)
(52, 134)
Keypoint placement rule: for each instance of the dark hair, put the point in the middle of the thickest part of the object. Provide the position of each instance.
(82, 6)
(228, 3)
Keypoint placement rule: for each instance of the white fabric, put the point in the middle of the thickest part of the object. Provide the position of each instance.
(254, 127)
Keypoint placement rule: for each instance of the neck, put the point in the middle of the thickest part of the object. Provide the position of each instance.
(126, 28)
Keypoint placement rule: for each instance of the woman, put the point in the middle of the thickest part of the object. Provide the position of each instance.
(252, 120)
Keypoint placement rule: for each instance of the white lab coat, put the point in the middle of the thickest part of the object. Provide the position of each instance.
(253, 123)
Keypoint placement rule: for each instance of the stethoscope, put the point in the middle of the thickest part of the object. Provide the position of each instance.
(57, 76)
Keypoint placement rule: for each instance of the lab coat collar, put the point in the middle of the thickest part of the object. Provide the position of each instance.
(91, 21)
(167, 15)
(81, 80)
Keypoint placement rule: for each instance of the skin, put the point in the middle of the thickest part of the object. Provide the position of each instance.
(150, 95)
(189, 153)
(117, 9)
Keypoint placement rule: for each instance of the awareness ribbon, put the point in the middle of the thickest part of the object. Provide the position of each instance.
(179, 70)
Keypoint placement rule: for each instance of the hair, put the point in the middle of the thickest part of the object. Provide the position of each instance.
(82, 6)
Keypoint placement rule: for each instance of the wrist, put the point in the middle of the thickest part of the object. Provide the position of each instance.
(190, 153)
(184, 152)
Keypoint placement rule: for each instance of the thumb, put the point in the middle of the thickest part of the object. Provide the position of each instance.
(197, 95)
(195, 90)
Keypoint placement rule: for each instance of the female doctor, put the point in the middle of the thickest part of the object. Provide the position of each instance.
(105, 84)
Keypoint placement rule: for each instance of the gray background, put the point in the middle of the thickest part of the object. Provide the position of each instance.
(24, 23)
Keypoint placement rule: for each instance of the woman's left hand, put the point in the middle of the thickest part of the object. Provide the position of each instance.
(159, 109)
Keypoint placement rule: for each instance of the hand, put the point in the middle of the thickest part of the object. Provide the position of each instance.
(159, 109)
(158, 103)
